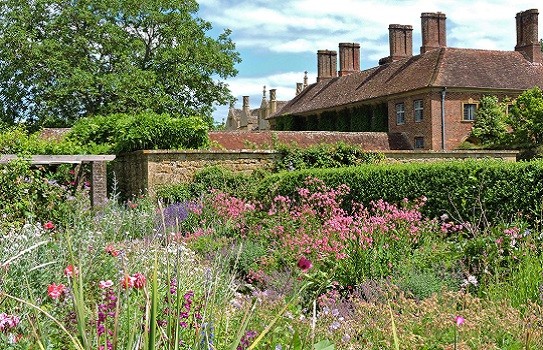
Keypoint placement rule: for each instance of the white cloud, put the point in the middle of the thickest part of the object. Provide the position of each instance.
(302, 26)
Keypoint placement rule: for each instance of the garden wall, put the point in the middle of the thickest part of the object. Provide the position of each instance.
(142, 171)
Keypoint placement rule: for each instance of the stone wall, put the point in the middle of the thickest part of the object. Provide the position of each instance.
(144, 171)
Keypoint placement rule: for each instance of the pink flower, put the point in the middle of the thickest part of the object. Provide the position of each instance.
(304, 264)
(105, 284)
(127, 281)
(55, 291)
(139, 280)
(48, 225)
(111, 250)
(71, 271)
(8, 321)
(459, 320)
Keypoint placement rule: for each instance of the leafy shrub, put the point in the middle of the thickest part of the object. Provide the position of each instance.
(32, 194)
(466, 189)
(324, 156)
(120, 133)
(17, 140)
(490, 126)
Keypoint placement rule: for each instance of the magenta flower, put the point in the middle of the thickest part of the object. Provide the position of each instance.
(55, 291)
(459, 320)
(48, 225)
(304, 264)
(139, 280)
(71, 271)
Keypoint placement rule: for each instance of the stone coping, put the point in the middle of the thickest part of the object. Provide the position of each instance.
(167, 151)
(59, 159)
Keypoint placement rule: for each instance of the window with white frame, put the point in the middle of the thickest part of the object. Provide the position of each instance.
(469, 111)
(417, 110)
(400, 113)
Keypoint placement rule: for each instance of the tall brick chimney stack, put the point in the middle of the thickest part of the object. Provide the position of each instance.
(245, 112)
(326, 64)
(434, 31)
(527, 35)
(400, 38)
(349, 58)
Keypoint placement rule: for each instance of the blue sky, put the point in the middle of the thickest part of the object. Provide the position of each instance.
(278, 39)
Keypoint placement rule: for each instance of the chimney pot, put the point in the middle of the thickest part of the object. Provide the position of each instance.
(434, 31)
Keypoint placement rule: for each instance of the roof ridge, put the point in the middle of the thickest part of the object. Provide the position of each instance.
(436, 71)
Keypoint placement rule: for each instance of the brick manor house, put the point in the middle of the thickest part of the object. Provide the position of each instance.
(430, 98)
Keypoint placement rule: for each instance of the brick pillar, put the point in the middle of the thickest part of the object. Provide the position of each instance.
(98, 184)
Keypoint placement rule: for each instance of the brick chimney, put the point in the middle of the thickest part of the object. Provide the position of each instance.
(527, 35)
(245, 112)
(400, 38)
(434, 31)
(349, 58)
(326, 64)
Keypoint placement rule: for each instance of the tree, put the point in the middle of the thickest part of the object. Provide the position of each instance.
(64, 59)
(526, 118)
(490, 126)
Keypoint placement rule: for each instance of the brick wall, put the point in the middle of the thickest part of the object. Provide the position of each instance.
(456, 129)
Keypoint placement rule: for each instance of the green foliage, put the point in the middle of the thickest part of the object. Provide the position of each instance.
(328, 121)
(361, 118)
(284, 123)
(324, 156)
(526, 118)
(212, 177)
(490, 125)
(60, 61)
(120, 133)
(17, 140)
(33, 195)
(379, 120)
(462, 188)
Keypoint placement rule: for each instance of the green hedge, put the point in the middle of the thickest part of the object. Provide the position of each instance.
(120, 133)
(324, 156)
(460, 188)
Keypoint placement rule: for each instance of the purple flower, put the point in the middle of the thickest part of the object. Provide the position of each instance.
(304, 264)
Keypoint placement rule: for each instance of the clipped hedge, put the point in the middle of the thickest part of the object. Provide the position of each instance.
(463, 189)
(120, 133)
(324, 156)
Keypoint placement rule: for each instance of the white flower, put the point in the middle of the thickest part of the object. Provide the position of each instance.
(473, 280)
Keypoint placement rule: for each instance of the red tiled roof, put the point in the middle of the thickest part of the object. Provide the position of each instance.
(445, 67)
(237, 140)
